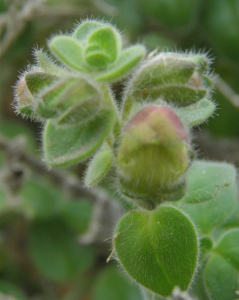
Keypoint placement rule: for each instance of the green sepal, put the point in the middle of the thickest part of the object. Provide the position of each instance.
(162, 244)
(81, 112)
(47, 64)
(64, 145)
(228, 247)
(69, 52)
(26, 110)
(46, 104)
(210, 214)
(149, 199)
(176, 94)
(103, 42)
(196, 113)
(201, 61)
(99, 166)
(206, 179)
(127, 60)
(36, 81)
(72, 100)
(220, 278)
(84, 29)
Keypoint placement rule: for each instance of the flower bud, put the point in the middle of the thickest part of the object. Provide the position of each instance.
(153, 154)
(176, 78)
(24, 98)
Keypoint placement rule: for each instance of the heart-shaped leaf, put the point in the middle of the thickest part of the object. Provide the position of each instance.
(197, 113)
(99, 165)
(64, 145)
(221, 278)
(158, 249)
(205, 179)
(208, 215)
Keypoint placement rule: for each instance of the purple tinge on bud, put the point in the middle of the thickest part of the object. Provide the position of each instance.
(153, 153)
(24, 96)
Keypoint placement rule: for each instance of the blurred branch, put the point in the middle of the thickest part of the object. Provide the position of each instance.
(227, 92)
(106, 211)
(14, 21)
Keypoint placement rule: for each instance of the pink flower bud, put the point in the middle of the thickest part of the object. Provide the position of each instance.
(153, 153)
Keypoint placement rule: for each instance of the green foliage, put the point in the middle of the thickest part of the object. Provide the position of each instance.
(180, 206)
(221, 278)
(55, 251)
(162, 243)
(112, 284)
(206, 179)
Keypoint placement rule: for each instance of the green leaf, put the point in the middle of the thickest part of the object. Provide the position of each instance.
(233, 221)
(208, 215)
(39, 80)
(111, 284)
(127, 60)
(40, 199)
(69, 52)
(84, 29)
(105, 41)
(221, 278)
(99, 166)
(64, 145)
(196, 113)
(76, 215)
(55, 252)
(228, 247)
(206, 179)
(158, 248)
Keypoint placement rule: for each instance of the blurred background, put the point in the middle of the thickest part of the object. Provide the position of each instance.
(54, 235)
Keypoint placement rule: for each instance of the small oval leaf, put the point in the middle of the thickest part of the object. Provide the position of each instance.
(99, 166)
(69, 52)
